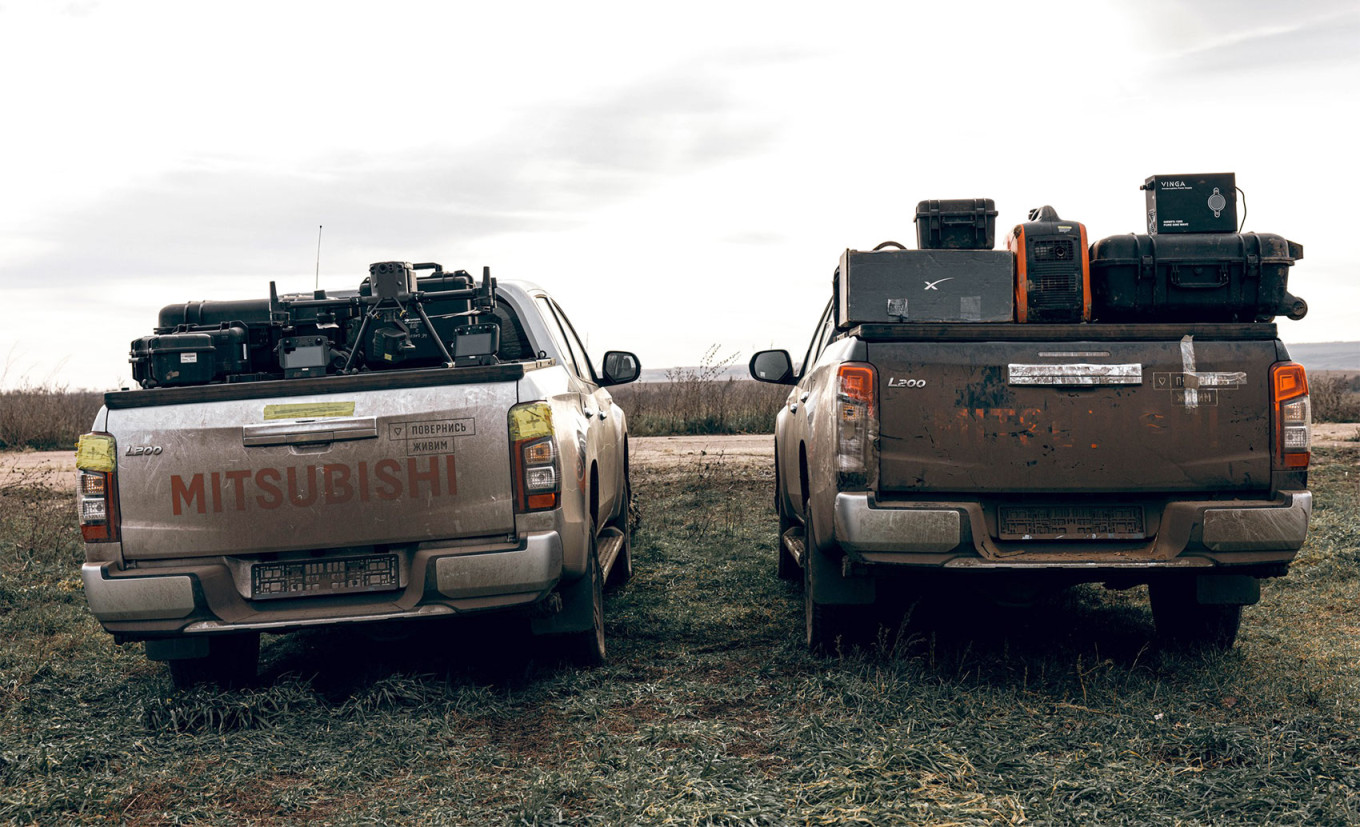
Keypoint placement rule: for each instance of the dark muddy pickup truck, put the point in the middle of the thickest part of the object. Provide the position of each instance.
(1029, 456)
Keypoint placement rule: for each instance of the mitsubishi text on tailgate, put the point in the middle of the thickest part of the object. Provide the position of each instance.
(418, 448)
(1046, 415)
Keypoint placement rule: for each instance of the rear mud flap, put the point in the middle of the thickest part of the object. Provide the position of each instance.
(577, 609)
(830, 585)
(177, 648)
(1227, 590)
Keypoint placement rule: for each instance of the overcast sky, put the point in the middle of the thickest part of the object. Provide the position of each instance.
(680, 176)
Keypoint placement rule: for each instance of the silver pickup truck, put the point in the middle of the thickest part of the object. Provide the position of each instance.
(214, 512)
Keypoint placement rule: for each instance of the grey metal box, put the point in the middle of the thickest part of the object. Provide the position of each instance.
(925, 286)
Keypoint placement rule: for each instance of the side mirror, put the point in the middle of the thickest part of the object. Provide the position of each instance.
(620, 367)
(773, 366)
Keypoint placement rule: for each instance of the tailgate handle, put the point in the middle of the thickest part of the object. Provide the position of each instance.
(309, 432)
(1075, 374)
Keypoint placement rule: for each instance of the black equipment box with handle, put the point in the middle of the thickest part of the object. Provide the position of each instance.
(957, 224)
(190, 357)
(1052, 276)
(234, 325)
(1219, 277)
(173, 359)
(1199, 203)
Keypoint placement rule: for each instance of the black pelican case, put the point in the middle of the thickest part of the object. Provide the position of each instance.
(190, 357)
(956, 224)
(1213, 277)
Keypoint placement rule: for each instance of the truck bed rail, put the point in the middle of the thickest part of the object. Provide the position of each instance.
(373, 380)
(1062, 332)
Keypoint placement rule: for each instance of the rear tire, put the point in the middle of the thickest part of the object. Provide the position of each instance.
(586, 648)
(1182, 620)
(231, 662)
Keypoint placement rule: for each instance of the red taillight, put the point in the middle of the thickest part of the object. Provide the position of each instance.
(856, 384)
(1293, 415)
(97, 487)
(856, 426)
(535, 466)
(1289, 380)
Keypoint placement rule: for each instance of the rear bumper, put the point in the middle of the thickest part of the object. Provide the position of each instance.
(1188, 534)
(204, 596)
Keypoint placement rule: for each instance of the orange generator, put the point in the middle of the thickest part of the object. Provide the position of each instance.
(1052, 269)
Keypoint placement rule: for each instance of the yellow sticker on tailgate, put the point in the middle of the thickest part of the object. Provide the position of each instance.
(309, 410)
(96, 452)
(528, 421)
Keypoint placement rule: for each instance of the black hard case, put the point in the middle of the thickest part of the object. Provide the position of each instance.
(924, 286)
(248, 318)
(1220, 277)
(190, 358)
(956, 224)
(173, 359)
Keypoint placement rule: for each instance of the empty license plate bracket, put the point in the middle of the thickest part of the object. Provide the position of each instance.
(1063, 522)
(318, 577)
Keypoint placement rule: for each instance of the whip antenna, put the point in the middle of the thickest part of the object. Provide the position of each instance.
(318, 257)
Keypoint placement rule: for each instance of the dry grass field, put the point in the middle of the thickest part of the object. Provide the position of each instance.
(1335, 396)
(45, 418)
(709, 711)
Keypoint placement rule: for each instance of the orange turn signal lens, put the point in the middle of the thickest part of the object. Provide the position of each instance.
(1288, 380)
(538, 502)
(857, 383)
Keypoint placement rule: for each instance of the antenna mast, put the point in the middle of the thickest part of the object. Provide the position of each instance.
(318, 257)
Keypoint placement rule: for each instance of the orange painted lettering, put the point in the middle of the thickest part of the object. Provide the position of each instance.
(182, 495)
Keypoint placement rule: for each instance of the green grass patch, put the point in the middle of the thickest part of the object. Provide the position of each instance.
(709, 711)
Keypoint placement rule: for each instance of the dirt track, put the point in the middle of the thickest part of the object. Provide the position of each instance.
(669, 451)
(57, 468)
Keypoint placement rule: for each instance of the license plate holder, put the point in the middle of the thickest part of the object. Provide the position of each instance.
(1071, 522)
(320, 576)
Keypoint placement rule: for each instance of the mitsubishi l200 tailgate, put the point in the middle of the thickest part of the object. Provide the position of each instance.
(386, 460)
(1090, 409)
